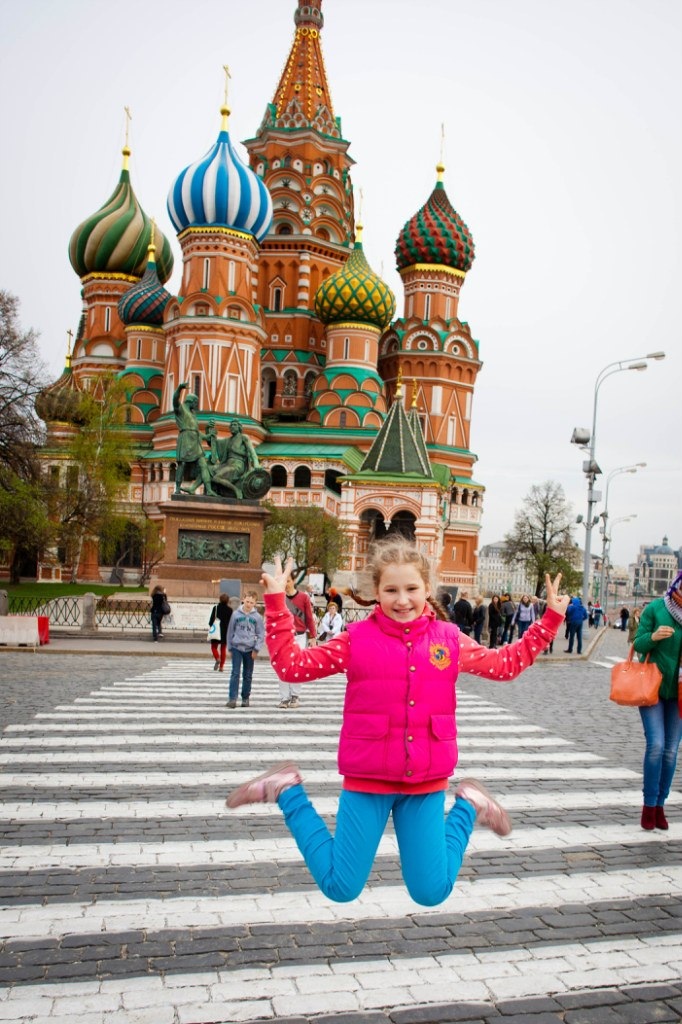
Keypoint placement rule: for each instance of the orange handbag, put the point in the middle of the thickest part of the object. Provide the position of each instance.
(635, 683)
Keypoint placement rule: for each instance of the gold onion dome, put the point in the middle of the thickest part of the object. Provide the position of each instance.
(355, 294)
(60, 402)
(115, 239)
(436, 234)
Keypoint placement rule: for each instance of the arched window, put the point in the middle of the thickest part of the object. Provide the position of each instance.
(454, 496)
(474, 499)
(331, 480)
(465, 496)
(309, 383)
(301, 476)
(268, 388)
(284, 229)
(280, 477)
(290, 383)
(277, 299)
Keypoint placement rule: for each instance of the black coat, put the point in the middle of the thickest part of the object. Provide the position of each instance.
(223, 613)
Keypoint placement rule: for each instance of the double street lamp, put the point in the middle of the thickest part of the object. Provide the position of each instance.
(606, 557)
(605, 518)
(587, 440)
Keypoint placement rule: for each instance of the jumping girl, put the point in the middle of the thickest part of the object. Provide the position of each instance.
(398, 746)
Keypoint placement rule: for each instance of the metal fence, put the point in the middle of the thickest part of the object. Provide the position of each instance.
(61, 611)
(122, 614)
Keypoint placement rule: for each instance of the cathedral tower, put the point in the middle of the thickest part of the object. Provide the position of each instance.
(433, 347)
(108, 251)
(214, 331)
(301, 154)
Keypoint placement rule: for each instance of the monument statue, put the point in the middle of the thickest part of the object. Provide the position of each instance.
(233, 464)
(231, 470)
(189, 448)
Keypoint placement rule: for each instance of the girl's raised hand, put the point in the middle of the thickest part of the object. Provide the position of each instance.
(277, 584)
(558, 603)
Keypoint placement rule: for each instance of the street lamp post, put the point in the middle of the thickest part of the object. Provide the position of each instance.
(607, 556)
(605, 516)
(590, 467)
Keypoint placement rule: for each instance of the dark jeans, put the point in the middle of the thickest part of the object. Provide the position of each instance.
(508, 631)
(662, 731)
(575, 632)
(157, 619)
(239, 659)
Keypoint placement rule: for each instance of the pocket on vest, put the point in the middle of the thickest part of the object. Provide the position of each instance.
(443, 745)
(363, 745)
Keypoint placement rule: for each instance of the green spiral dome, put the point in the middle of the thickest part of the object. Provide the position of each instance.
(115, 239)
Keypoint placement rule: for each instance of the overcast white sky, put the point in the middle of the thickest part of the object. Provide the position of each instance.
(563, 154)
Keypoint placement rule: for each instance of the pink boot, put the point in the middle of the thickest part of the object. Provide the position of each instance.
(265, 788)
(488, 811)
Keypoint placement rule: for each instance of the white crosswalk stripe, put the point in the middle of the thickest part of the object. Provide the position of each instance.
(125, 787)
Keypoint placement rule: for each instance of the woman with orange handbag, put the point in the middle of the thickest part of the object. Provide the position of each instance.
(660, 635)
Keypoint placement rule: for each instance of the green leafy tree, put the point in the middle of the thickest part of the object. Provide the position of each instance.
(98, 470)
(311, 537)
(22, 376)
(25, 527)
(542, 537)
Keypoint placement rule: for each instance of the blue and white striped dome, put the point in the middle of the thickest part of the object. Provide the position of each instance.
(220, 190)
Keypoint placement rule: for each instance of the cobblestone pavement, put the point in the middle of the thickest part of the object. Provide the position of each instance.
(128, 893)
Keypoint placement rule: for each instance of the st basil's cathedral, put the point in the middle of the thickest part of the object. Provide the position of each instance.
(282, 324)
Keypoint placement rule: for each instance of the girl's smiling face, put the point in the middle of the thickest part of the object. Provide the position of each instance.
(401, 592)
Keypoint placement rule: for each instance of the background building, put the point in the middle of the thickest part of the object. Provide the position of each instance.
(655, 569)
(281, 323)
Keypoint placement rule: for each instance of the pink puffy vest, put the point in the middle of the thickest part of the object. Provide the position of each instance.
(399, 711)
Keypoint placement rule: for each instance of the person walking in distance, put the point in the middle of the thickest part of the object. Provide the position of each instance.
(659, 635)
(524, 616)
(223, 613)
(463, 613)
(575, 616)
(624, 616)
(508, 609)
(245, 635)
(331, 623)
(397, 747)
(158, 603)
(301, 608)
(495, 619)
(479, 617)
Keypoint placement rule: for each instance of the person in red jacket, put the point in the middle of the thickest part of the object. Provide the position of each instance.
(305, 630)
(398, 744)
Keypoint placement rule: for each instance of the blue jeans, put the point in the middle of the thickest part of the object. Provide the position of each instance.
(157, 619)
(662, 731)
(431, 845)
(522, 625)
(240, 658)
(575, 632)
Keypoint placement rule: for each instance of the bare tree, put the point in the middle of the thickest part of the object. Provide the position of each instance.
(22, 377)
(542, 536)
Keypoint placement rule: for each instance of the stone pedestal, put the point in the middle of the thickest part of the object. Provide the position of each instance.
(207, 540)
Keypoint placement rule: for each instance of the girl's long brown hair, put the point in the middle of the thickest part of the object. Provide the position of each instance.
(397, 550)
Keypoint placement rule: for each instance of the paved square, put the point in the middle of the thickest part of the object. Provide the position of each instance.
(129, 894)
